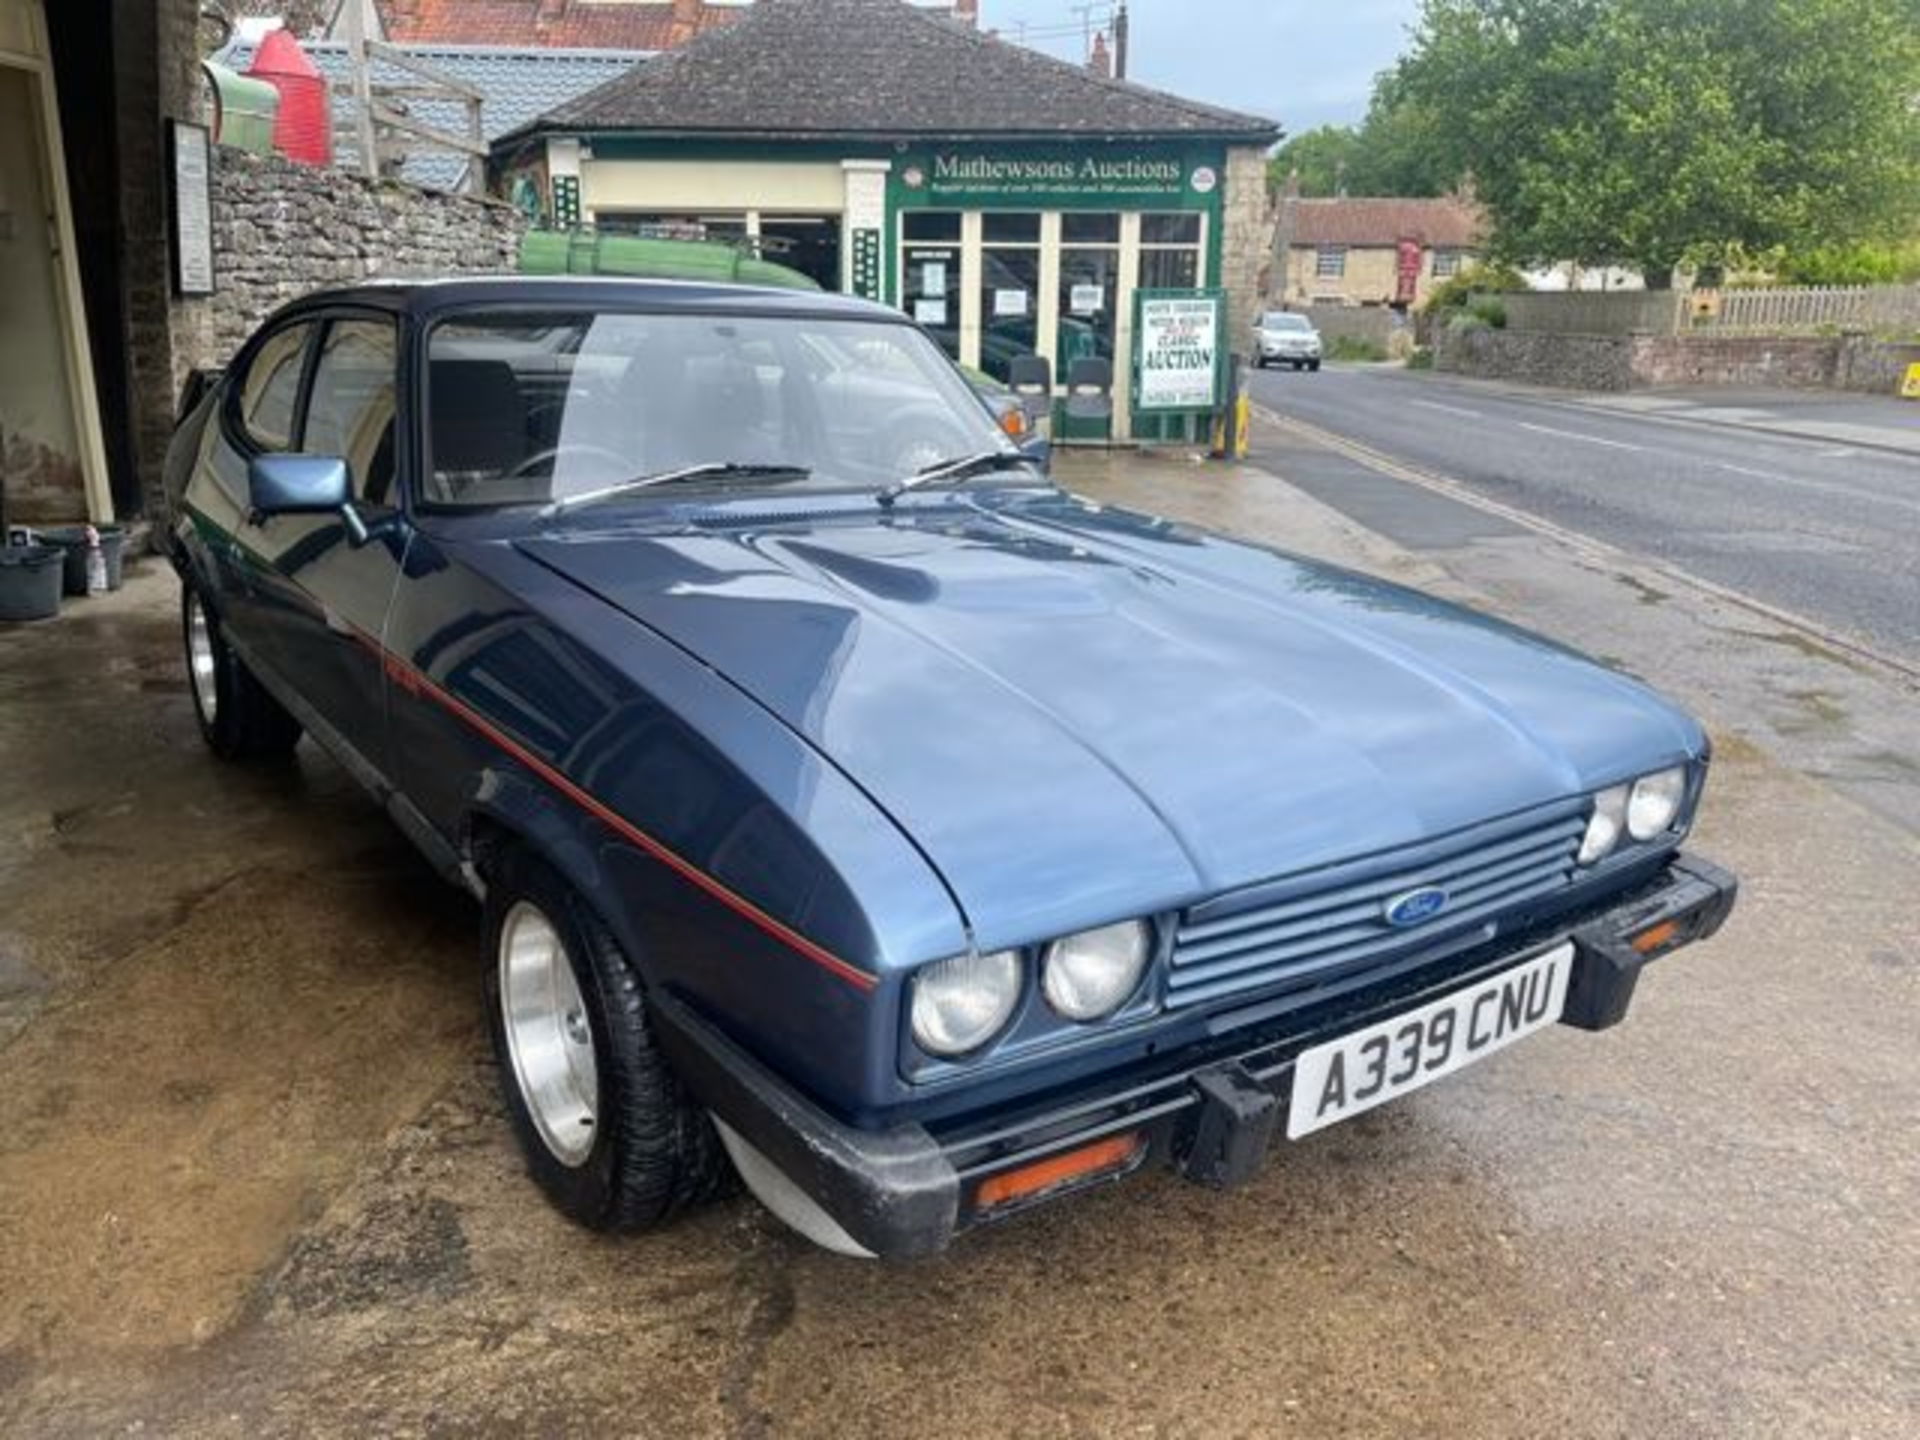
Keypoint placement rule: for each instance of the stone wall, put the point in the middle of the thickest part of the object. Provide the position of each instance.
(1246, 240)
(1874, 367)
(1573, 362)
(281, 230)
(1801, 362)
(1637, 362)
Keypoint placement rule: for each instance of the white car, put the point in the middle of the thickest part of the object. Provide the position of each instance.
(1283, 338)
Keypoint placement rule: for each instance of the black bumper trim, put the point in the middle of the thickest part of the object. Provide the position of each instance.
(892, 1190)
(901, 1192)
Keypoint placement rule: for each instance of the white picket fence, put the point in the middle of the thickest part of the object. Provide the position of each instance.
(1776, 310)
(1812, 309)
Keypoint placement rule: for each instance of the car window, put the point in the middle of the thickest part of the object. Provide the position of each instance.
(1284, 321)
(524, 410)
(350, 411)
(271, 388)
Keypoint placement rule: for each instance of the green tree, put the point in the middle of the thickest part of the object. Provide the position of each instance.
(1321, 157)
(1659, 132)
(1393, 153)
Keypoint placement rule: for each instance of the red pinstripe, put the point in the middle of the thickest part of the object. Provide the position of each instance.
(413, 682)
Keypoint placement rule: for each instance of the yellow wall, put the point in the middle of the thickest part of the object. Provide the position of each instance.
(1372, 276)
(668, 186)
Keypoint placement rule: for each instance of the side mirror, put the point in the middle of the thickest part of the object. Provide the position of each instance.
(306, 485)
(298, 484)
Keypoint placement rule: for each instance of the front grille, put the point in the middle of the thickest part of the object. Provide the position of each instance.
(1308, 932)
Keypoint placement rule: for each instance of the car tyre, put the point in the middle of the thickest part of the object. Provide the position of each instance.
(609, 1133)
(1314, 366)
(238, 718)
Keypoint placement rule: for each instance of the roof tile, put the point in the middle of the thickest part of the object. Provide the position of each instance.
(1448, 222)
(881, 67)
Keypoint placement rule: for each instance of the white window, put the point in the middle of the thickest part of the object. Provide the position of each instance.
(1330, 263)
(1445, 263)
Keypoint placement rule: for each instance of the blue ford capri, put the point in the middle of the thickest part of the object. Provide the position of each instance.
(856, 812)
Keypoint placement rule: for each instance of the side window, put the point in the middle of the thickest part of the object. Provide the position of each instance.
(271, 388)
(350, 411)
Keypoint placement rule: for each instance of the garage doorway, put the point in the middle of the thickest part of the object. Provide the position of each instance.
(50, 461)
(807, 243)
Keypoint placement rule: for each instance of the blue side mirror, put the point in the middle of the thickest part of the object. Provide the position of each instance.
(298, 484)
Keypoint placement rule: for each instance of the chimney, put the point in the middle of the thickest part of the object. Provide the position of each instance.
(1101, 61)
(967, 12)
(545, 12)
(688, 21)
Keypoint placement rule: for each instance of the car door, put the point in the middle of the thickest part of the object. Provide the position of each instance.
(321, 599)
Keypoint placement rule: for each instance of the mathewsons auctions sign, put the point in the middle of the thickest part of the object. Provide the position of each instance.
(1179, 352)
(988, 178)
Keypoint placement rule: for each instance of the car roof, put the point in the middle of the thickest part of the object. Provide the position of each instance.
(437, 296)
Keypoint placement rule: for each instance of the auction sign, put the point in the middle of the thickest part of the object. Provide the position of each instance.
(1179, 350)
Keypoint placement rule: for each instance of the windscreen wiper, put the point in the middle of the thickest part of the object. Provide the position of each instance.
(717, 469)
(987, 462)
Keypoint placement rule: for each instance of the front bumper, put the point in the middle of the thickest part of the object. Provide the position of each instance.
(1209, 1110)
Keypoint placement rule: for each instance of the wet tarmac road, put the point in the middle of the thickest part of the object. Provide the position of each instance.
(253, 1180)
(1812, 525)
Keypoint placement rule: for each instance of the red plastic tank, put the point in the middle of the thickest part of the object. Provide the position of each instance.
(303, 130)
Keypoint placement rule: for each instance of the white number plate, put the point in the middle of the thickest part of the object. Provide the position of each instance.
(1384, 1061)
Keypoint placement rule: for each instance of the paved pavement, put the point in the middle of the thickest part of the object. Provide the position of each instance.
(1822, 528)
(253, 1180)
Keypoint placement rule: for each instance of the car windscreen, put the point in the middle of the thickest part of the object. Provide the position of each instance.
(541, 408)
(1287, 322)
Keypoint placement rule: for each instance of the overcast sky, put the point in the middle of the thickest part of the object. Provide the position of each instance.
(1301, 62)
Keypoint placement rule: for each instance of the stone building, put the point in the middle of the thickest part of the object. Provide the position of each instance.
(1375, 251)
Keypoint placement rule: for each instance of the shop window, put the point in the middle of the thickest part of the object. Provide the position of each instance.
(1009, 290)
(1169, 252)
(272, 388)
(1089, 292)
(1330, 262)
(1182, 229)
(932, 225)
(930, 288)
(1170, 269)
(1078, 229)
(350, 413)
(1010, 228)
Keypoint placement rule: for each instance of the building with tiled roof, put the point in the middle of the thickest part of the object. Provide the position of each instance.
(648, 25)
(1376, 250)
(1012, 203)
(576, 24)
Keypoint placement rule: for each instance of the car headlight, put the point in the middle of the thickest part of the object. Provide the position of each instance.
(961, 1004)
(1088, 976)
(1655, 803)
(1604, 829)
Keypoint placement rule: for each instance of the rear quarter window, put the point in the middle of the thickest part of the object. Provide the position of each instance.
(270, 390)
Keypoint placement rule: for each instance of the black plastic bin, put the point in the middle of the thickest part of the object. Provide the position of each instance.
(29, 582)
(72, 540)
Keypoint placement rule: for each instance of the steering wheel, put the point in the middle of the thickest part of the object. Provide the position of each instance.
(547, 460)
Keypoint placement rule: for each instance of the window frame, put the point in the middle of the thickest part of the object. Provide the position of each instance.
(234, 418)
(1330, 262)
(324, 326)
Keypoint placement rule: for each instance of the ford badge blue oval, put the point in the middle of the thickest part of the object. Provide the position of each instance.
(1415, 907)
